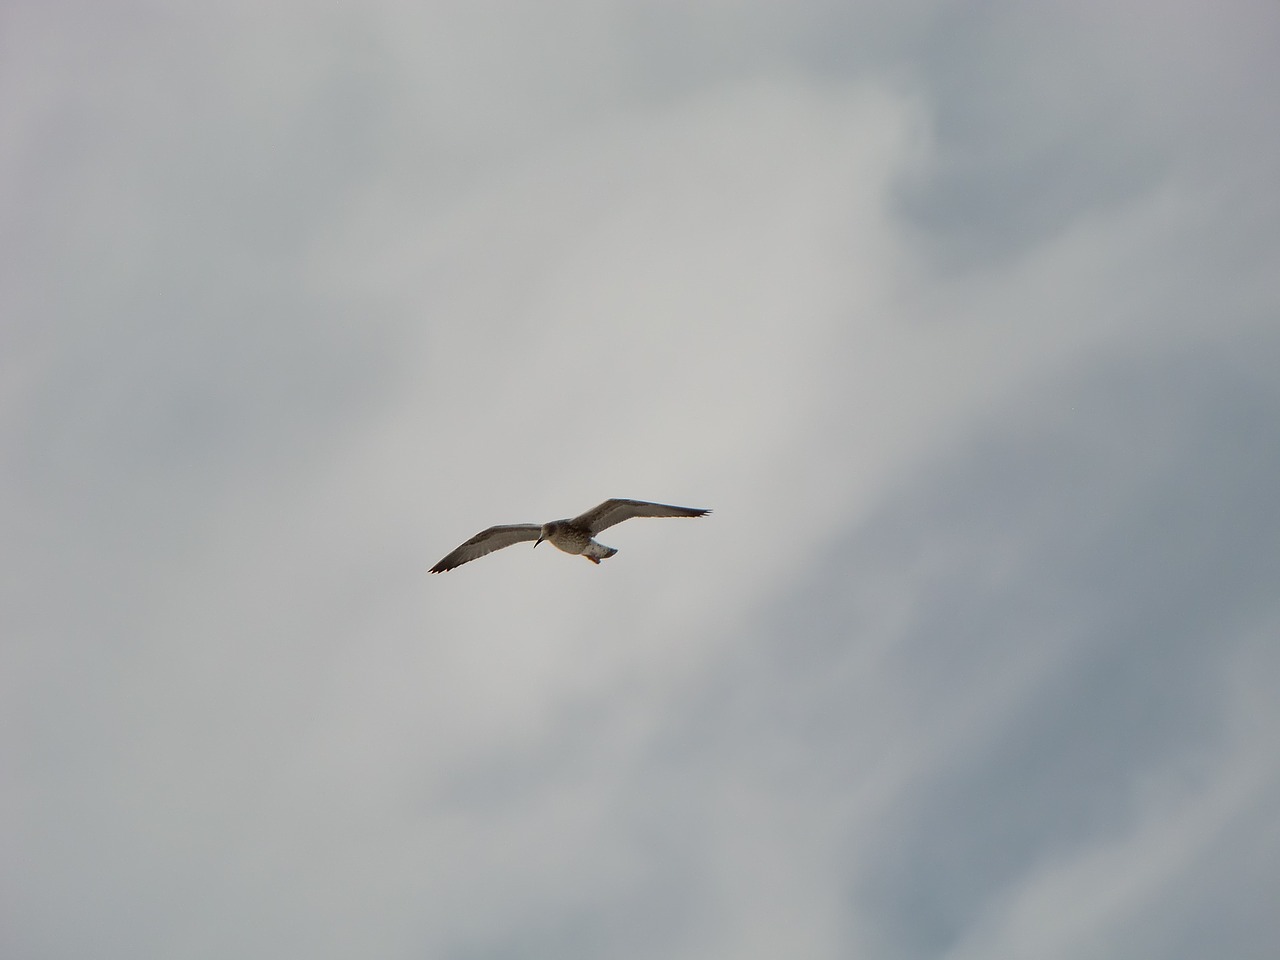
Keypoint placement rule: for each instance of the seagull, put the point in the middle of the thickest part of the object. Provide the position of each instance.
(571, 536)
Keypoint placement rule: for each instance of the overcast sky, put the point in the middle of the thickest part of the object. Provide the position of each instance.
(963, 318)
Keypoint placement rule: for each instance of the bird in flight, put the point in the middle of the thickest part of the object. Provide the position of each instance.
(572, 536)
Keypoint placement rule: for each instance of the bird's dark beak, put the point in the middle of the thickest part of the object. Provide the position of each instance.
(535, 546)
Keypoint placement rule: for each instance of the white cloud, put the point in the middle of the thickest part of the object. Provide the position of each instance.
(300, 303)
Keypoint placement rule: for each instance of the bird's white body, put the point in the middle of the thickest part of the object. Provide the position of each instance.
(565, 535)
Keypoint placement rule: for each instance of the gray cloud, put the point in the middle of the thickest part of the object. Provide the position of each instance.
(962, 322)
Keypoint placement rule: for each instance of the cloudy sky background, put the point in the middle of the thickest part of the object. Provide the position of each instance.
(964, 319)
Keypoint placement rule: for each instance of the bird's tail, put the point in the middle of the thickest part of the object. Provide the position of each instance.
(596, 552)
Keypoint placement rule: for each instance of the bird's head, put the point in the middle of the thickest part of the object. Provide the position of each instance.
(547, 530)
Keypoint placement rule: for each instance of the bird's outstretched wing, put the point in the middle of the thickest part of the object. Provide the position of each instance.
(495, 538)
(615, 511)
